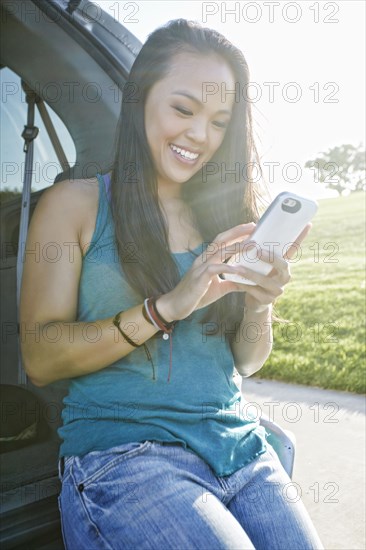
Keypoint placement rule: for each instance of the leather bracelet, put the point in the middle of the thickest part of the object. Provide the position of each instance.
(157, 320)
(145, 314)
(152, 316)
(159, 316)
(116, 322)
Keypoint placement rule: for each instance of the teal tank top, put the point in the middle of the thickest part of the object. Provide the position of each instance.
(200, 406)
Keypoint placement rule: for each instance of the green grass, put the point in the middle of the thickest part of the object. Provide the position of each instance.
(323, 343)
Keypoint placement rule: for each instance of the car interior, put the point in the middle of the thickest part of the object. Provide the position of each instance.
(70, 69)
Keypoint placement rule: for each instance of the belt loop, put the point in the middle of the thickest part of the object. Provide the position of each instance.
(61, 467)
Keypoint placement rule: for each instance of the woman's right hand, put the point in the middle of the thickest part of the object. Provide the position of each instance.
(201, 285)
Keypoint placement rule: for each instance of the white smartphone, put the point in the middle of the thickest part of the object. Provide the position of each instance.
(276, 230)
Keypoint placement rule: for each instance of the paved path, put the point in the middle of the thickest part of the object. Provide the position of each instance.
(330, 454)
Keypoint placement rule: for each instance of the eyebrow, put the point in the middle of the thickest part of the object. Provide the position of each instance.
(196, 100)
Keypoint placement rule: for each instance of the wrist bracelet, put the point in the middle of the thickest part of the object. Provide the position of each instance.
(151, 314)
(160, 317)
(116, 322)
(146, 313)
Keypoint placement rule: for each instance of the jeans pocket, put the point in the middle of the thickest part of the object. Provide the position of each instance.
(92, 466)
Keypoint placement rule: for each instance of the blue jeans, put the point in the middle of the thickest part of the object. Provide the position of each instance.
(151, 495)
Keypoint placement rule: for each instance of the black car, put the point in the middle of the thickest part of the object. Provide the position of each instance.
(70, 60)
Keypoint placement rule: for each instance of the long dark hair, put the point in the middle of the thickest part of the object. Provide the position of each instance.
(219, 198)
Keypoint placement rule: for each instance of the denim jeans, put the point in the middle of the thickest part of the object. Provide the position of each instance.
(151, 495)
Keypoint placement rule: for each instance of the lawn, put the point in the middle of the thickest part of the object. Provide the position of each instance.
(323, 343)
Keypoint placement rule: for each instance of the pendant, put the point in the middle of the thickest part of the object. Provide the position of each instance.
(165, 336)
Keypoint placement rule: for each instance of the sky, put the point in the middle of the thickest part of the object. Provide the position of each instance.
(307, 67)
(307, 77)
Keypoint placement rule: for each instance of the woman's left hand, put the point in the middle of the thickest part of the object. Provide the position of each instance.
(269, 287)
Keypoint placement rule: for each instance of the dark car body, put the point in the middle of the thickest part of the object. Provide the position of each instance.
(76, 48)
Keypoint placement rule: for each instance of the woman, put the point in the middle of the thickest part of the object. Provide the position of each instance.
(157, 451)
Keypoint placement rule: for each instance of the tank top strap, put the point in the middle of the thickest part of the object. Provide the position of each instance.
(103, 230)
(107, 185)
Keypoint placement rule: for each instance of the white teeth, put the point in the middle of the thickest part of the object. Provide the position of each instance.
(183, 153)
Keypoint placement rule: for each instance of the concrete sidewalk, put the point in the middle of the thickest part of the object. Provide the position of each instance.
(329, 470)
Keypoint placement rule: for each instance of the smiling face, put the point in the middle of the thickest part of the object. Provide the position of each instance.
(184, 128)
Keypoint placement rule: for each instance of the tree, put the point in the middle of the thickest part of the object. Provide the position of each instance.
(6, 194)
(341, 168)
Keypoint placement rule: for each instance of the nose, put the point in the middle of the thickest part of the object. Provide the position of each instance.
(197, 130)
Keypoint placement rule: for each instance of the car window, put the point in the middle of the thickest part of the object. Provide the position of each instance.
(13, 119)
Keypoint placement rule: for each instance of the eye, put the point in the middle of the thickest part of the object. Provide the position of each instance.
(220, 124)
(182, 110)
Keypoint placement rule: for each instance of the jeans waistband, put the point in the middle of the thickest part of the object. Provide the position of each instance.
(61, 465)
(63, 459)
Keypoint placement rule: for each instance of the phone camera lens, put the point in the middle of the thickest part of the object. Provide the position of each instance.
(291, 205)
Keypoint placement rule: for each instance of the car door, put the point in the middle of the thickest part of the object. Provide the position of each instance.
(75, 59)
